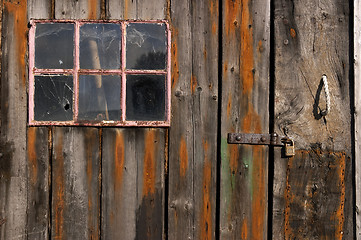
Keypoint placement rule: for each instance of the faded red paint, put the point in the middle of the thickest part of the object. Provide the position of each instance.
(206, 218)
(149, 171)
(18, 9)
(340, 213)
(194, 83)
(174, 58)
(93, 9)
(292, 33)
(59, 204)
(118, 161)
(32, 156)
(183, 157)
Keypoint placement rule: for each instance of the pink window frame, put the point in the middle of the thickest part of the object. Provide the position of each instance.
(76, 71)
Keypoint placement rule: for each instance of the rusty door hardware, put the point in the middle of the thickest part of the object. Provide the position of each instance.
(263, 139)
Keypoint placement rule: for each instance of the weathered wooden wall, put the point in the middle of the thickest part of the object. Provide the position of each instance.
(313, 191)
(230, 67)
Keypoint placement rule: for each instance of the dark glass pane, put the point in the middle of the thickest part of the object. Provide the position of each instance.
(53, 98)
(146, 46)
(100, 46)
(54, 43)
(99, 97)
(145, 97)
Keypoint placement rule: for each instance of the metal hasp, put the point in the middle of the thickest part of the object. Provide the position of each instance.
(263, 139)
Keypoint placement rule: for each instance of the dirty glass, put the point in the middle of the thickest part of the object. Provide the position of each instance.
(53, 98)
(146, 46)
(54, 44)
(99, 97)
(100, 46)
(145, 97)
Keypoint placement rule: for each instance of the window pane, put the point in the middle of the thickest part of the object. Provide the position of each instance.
(99, 97)
(146, 46)
(53, 98)
(100, 46)
(54, 45)
(145, 97)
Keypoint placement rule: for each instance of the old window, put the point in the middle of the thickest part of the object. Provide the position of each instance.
(97, 73)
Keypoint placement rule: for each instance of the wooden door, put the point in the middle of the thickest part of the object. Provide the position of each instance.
(247, 66)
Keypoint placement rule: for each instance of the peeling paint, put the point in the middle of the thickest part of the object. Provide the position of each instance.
(18, 9)
(206, 218)
(183, 157)
(149, 170)
(32, 156)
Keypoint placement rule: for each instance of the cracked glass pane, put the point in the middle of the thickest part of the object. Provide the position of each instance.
(99, 97)
(54, 43)
(100, 46)
(145, 98)
(53, 98)
(146, 46)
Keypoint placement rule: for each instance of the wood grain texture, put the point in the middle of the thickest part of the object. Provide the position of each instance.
(13, 163)
(75, 183)
(38, 214)
(312, 39)
(193, 134)
(77, 9)
(245, 93)
(134, 173)
(357, 117)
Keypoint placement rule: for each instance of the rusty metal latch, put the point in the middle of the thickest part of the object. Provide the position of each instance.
(263, 139)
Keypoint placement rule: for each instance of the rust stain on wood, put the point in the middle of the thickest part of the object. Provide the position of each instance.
(18, 9)
(292, 33)
(229, 106)
(259, 192)
(174, 58)
(251, 121)
(89, 145)
(231, 14)
(194, 83)
(205, 53)
(149, 164)
(213, 9)
(288, 200)
(225, 69)
(93, 7)
(246, 58)
(59, 189)
(32, 156)
(183, 157)
(118, 160)
(244, 230)
(340, 218)
(126, 9)
(234, 157)
(206, 218)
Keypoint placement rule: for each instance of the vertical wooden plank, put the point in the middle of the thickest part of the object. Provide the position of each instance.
(13, 164)
(76, 159)
(193, 135)
(245, 101)
(313, 190)
(75, 183)
(119, 184)
(135, 171)
(38, 207)
(38, 183)
(357, 119)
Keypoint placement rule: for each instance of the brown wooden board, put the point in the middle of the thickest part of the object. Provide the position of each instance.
(313, 190)
(193, 133)
(245, 93)
(75, 183)
(133, 159)
(38, 214)
(13, 163)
